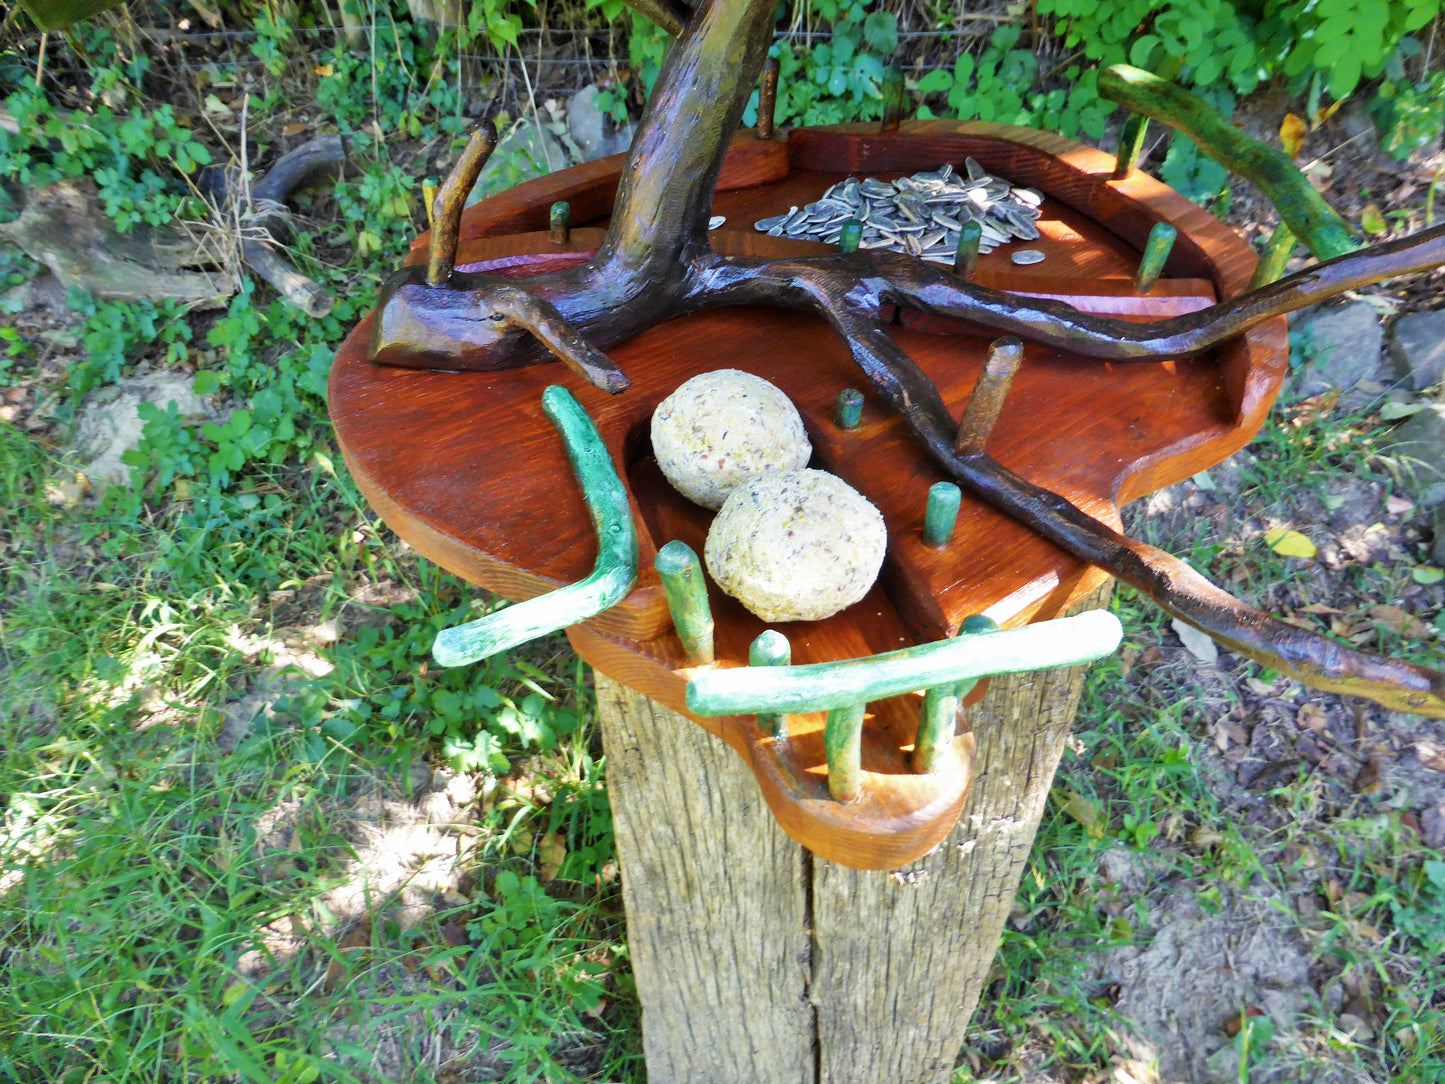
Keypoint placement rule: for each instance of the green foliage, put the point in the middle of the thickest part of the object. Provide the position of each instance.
(838, 77)
(126, 153)
(1340, 41)
(998, 86)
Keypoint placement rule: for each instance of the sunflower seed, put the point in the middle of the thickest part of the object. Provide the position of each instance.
(919, 214)
(1026, 256)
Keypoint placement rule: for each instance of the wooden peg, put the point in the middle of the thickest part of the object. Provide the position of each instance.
(1131, 144)
(771, 648)
(686, 593)
(851, 236)
(986, 400)
(894, 97)
(941, 513)
(1156, 252)
(767, 98)
(561, 222)
(965, 257)
(1276, 255)
(843, 745)
(428, 198)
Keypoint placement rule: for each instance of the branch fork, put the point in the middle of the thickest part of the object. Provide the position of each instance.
(656, 263)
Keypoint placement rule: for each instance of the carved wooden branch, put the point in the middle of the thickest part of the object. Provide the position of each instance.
(1312, 219)
(656, 263)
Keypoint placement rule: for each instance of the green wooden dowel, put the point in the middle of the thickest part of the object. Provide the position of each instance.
(965, 257)
(771, 648)
(975, 623)
(1301, 207)
(1067, 641)
(561, 220)
(851, 236)
(612, 577)
(843, 746)
(941, 513)
(939, 716)
(1131, 144)
(686, 593)
(1156, 252)
(936, 724)
(848, 410)
(1276, 256)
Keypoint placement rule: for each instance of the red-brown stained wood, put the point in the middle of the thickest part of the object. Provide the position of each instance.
(465, 467)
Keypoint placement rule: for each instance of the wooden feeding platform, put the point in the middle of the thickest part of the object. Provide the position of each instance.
(753, 961)
(467, 469)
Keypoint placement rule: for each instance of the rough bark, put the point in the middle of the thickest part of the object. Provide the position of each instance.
(758, 964)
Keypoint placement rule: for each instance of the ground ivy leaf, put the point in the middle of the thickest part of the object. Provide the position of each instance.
(1289, 543)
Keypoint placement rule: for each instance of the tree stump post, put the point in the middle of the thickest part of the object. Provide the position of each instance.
(756, 961)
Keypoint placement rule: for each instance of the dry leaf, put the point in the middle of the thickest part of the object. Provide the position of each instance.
(1319, 608)
(1082, 810)
(1235, 1026)
(551, 853)
(1431, 755)
(1312, 717)
(1319, 174)
(1198, 643)
(1325, 112)
(323, 70)
(1398, 621)
(1292, 131)
(1368, 781)
(1289, 543)
(295, 128)
(1398, 506)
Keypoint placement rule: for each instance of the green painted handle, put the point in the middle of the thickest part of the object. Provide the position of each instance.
(1309, 216)
(1067, 641)
(611, 578)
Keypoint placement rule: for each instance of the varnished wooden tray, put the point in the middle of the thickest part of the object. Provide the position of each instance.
(466, 468)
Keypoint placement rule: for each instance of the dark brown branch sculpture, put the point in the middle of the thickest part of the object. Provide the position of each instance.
(656, 263)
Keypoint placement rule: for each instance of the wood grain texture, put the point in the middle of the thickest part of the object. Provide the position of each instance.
(899, 962)
(716, 897)
(755, 962)
(465, 467)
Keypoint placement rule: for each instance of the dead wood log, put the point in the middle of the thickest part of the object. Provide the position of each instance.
(263, 215)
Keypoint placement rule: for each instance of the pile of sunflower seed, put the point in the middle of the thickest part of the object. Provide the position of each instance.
(920, 215)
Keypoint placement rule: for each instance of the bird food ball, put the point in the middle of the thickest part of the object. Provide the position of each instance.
(721, 428)
(796, 545)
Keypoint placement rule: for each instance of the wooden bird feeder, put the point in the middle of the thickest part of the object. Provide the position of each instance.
(468, 469)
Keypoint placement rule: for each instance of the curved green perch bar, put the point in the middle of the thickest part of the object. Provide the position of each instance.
(1067, 641)
(1309, 216)
(611, 578)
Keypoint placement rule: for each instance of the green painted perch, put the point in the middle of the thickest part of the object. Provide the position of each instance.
(1312, 219)
(612, 577)
(944, 670)
(1067, 641)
